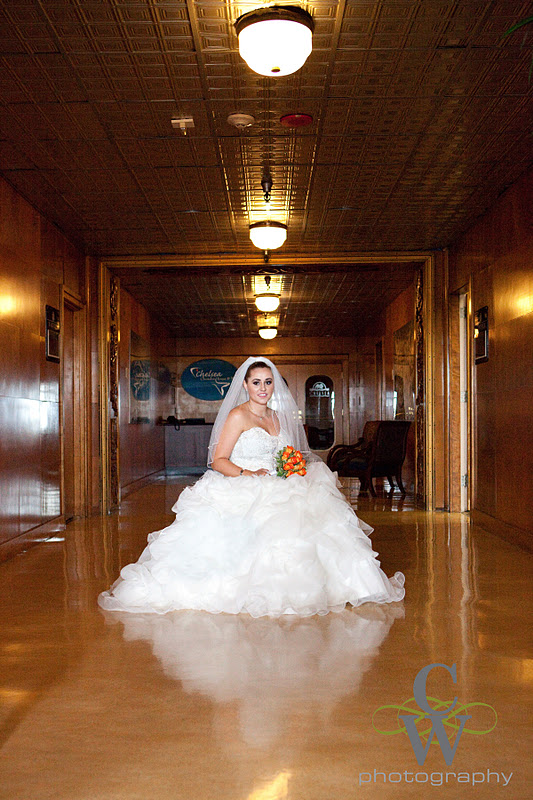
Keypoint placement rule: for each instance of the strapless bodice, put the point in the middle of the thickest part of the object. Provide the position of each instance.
(256, 449)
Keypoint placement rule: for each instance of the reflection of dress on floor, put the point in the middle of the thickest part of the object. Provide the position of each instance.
(271, 669)
(259, 545)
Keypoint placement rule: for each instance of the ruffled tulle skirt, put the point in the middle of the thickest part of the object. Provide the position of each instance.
(262, 546)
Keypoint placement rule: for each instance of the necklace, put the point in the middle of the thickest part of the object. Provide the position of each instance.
(253, 412)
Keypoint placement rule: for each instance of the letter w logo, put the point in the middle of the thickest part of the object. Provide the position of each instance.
(436, 717)
(438, 729)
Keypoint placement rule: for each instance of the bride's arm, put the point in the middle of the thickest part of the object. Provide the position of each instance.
(231, 431)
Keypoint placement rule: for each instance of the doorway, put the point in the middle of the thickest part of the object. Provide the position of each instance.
(460, 401)
(73, 411)
(464, 405)
(319, 393)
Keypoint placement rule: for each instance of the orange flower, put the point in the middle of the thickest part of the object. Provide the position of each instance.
(286, 466)
(298, 454)
(302, 472)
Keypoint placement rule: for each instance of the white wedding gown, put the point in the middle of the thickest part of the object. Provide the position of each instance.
(263, 546)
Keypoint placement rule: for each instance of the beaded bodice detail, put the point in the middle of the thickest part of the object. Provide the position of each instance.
(256, 449)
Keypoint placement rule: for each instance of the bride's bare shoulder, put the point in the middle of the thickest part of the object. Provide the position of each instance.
(239, 410)
(238, 413)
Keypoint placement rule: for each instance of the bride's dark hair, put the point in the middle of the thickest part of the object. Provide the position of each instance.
(256, 365)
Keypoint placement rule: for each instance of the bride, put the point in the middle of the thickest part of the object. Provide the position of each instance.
(247, 541)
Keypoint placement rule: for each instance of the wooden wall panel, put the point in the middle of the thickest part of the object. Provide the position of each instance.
(32, 260)
(497, 254)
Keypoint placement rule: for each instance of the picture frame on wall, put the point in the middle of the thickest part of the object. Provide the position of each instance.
(140, 373)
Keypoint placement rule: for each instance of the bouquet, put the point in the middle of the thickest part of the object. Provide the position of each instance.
(290, 462)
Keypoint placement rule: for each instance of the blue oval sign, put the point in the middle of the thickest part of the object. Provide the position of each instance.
(208, 379)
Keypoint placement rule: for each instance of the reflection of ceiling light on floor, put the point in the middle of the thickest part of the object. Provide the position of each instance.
(50, 539)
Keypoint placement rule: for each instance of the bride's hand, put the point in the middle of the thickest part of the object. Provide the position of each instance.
(259, 472)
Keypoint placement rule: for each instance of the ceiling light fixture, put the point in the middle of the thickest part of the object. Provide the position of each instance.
(268, 333)
(266, 301)
(275, 40)
(241, 121)
(268, 235)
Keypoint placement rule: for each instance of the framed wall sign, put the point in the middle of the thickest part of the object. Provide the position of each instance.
(208, 379)
(53, 330)
(140, 374)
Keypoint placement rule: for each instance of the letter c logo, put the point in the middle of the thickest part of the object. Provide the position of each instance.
(420, 691)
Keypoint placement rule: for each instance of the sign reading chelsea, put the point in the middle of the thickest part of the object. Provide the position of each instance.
(208, 379)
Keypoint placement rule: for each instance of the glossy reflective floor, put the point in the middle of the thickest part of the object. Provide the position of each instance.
(195, 707)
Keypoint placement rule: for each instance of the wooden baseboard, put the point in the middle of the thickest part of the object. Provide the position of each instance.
(503, 530)
(138, 484)
(16, 546)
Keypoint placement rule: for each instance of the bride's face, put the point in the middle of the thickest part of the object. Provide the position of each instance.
(260, 385)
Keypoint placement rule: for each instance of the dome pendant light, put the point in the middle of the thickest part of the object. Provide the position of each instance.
(275, 40)
(268, 235)
(268, 333)
(266, 301)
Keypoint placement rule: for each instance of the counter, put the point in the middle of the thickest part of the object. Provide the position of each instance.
(186, 448)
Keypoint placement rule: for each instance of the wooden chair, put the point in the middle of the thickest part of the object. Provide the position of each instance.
(379, 453)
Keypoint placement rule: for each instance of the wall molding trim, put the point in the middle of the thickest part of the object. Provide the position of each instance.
(510, 533)
(141, 483)
(18, 545)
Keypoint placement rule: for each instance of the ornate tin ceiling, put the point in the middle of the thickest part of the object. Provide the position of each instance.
(421, 119)
(329, 302)
(420, 111)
